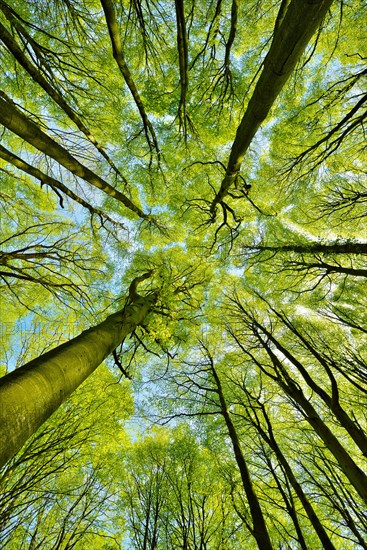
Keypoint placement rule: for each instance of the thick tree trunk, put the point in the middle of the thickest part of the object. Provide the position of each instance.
(297, 21)
(30, 394)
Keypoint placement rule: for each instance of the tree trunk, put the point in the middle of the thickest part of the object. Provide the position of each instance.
(351, 247)
(118, 54)
(297, 21)
(328, 268)
(306, 503)
(37, 76)
(55, 185)
(30, 394)
(351, 470)
(332, 401)
(259, 530)
(13, 119)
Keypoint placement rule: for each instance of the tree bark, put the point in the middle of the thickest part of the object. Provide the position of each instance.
(293, 30)
(29, 395)
(259, 530)
(26, 129)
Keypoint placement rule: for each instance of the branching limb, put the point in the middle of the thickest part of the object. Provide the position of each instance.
(211, 34)
(55, 185)
(345, 127)
(225, 73)
(350, 201)
(119, 365)
(133, 294)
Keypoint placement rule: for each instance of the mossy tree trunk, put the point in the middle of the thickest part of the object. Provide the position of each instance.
(29, 395)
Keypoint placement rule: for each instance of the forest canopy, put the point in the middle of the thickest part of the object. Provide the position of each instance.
(183, 202)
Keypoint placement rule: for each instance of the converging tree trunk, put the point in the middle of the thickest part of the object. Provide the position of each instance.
(268, 436)
(30, 394)
(295, 25)
(55, 185)
(13, 119)
(259, 529)
(51, 89)
(348, 247)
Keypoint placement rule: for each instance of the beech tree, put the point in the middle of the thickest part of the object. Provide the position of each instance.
(183, 202)
(30, 394)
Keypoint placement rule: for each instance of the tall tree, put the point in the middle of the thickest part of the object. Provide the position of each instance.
(30, 394)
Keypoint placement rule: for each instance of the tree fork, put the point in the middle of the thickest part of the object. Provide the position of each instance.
(31, 394)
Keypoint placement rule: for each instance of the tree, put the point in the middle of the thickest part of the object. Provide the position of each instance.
(220, 149)
(173, 494)
(33, 392)
(55, 491)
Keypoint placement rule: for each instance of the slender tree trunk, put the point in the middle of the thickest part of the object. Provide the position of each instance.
(55, 185)
(37, 76)
(351, 470)
(332, 401)
(182, 47)
(118, 54)
(30, 394)
(328, 268)
(288, 501)
(13, 119)
(259, 530)
(312, 516)
(314, 248)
